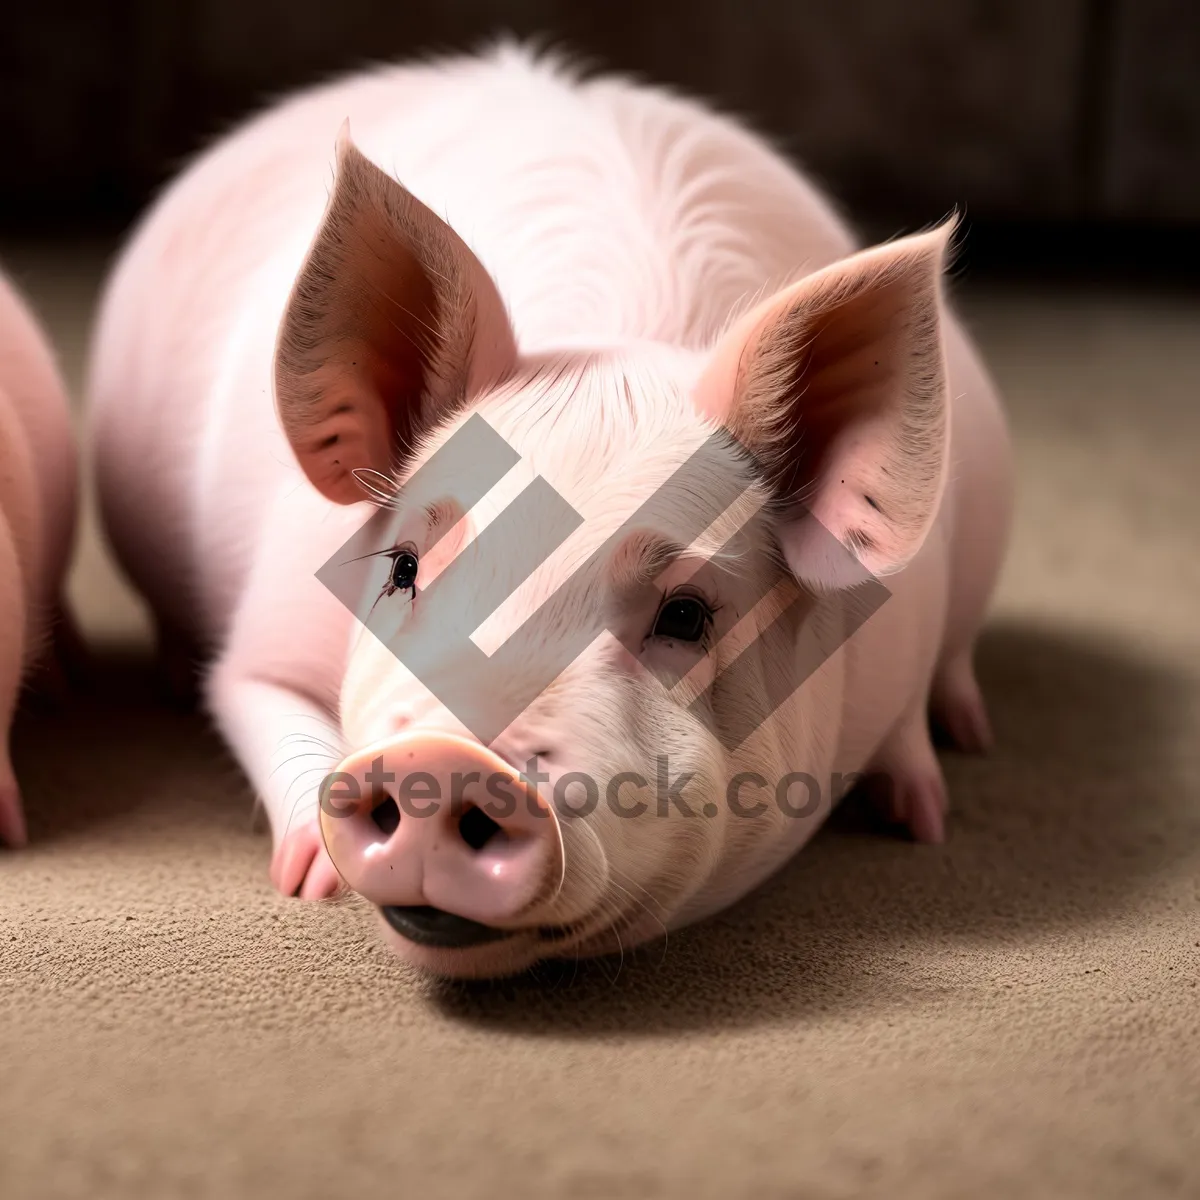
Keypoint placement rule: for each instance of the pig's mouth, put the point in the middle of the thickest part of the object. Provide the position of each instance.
(428, 926)
(437, 928)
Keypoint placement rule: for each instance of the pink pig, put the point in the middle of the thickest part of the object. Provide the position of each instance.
(37, 511)
(527, 699)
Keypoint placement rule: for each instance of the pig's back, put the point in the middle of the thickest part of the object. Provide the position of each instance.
(604, 211)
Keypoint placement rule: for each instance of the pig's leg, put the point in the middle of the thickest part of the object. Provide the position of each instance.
(982, 515)
(908, 782)
(286, 745)
(957, 704)
(274, 687)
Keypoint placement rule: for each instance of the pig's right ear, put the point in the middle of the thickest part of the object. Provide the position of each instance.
(392, 323)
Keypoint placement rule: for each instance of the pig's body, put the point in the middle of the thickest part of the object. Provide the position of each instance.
(37, 506)
(609, 216)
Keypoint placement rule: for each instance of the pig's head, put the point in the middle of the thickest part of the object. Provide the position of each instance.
(591, 575)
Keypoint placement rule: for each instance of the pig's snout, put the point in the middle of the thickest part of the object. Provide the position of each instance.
(444, 835)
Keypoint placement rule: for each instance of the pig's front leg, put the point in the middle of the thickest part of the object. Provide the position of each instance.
(908, 780)
(286, 744)
(274, 689)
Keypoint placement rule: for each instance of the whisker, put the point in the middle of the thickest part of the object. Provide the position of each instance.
(304, 754)
(643, 906)
(325, 722)
(308, 739)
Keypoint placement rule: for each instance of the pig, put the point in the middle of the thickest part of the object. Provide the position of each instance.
(726, 422)
(37, 510)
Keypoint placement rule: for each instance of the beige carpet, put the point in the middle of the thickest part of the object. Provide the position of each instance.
(1015, 1014)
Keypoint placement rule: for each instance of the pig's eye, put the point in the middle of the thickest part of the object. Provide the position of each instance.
(682, 619)
(403, 576)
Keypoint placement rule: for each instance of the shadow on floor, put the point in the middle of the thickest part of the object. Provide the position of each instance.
(120, 749)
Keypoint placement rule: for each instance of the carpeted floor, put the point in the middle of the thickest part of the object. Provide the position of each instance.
(1016, 1013)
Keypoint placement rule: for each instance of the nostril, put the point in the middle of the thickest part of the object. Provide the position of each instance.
(476, 828)
(386, 816)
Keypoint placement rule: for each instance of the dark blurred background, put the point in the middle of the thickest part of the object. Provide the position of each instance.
(1069, 130)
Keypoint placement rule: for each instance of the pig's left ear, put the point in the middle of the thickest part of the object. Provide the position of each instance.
(392, 322)
(837, 386)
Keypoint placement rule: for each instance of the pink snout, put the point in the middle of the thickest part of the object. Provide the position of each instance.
(433, 828)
